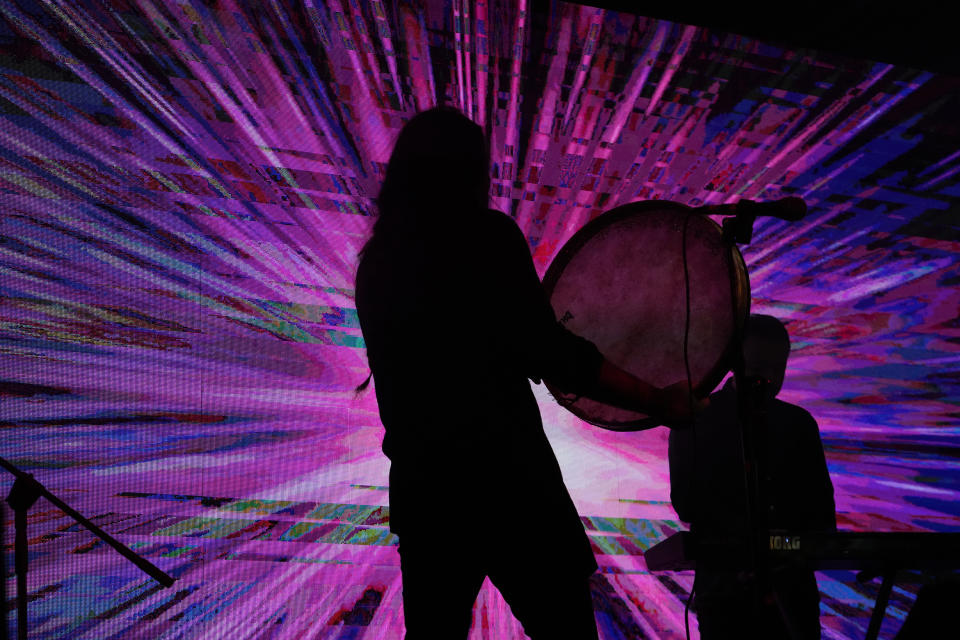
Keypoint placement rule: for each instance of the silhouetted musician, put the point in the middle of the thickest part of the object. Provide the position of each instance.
(455, 322)
(708, 491)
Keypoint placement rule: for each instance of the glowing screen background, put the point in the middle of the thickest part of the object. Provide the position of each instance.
(185, 187)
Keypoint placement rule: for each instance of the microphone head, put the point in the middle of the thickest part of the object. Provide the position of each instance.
(792, 208)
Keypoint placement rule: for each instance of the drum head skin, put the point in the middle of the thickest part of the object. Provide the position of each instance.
(619, 282)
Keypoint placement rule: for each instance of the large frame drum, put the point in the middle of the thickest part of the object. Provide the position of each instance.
(622, 282)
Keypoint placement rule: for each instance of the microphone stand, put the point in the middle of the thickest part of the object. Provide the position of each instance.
(26, 490)
(5, 627)
(751, 410)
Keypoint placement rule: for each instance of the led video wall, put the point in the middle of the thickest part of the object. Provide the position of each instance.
(184, 187)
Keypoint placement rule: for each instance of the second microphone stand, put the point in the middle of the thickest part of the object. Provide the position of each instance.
(26, 490)
(752, 414)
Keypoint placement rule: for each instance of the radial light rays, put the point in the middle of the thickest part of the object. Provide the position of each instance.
(186, 186)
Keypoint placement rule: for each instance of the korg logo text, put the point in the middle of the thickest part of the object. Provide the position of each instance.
(784, 543)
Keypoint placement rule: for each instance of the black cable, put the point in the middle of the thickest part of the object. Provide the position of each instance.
(686, 327)
(686, 609)
(693, 429)
(691, 482)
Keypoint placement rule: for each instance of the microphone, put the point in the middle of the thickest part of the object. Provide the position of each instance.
(791, 209)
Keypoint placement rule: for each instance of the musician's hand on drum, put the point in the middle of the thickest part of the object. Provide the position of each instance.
(564, 399)
(676, 406)
(673, 405)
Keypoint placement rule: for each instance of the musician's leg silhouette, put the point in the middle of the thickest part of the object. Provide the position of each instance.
(438, 588)
(547, 593)
(549, 602)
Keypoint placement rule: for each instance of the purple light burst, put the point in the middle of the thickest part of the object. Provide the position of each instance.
(185, 187)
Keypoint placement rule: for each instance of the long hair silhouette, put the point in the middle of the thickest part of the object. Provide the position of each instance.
(438, 173)
(439, 168)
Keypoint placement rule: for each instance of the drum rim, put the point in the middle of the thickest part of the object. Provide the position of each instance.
(585, 233)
